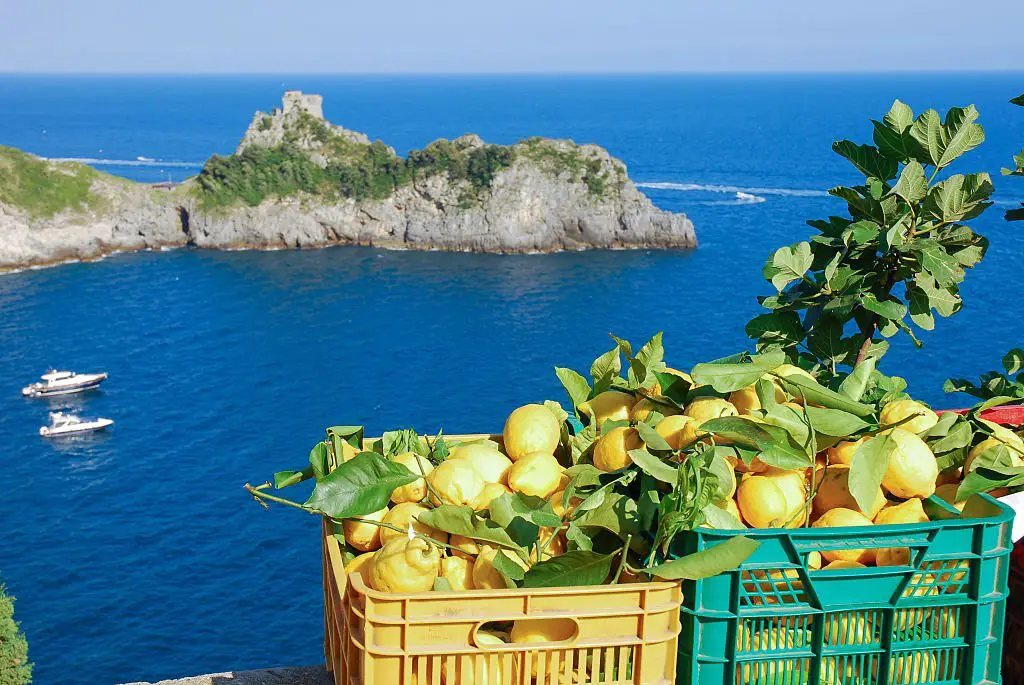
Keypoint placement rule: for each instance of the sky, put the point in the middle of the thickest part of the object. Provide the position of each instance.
(487, 36)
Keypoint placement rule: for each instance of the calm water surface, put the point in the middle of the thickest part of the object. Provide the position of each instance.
(135, 554)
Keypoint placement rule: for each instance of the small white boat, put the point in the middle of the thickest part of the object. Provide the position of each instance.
(55, 382)
(69, 424)
(746, 197)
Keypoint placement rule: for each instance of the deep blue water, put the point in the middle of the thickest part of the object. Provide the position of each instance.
(135, 554)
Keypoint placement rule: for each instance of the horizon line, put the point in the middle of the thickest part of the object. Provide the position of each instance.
(683, 72)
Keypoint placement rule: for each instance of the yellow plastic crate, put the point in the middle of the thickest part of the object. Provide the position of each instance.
(625, 633)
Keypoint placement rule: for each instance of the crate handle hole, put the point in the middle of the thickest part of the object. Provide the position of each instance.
(563, 631)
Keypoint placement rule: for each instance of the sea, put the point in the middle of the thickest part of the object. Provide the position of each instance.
(135, 554)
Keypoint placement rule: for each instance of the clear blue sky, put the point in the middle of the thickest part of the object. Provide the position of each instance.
(509, 35)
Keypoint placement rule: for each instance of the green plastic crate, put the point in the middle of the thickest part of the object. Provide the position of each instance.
(938, 620)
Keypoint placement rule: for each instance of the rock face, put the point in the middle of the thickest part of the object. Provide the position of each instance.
(130, 217)
(530, 205)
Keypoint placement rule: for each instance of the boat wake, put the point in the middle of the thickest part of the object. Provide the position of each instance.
(138, 161)
(741, 195)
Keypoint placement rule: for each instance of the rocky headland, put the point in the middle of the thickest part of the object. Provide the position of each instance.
(297, 181)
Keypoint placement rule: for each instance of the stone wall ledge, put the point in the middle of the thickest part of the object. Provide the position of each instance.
(302, 675)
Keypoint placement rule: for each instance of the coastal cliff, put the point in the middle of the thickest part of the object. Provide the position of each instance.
(297, 181)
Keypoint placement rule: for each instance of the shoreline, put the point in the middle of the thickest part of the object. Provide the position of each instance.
(396, 247)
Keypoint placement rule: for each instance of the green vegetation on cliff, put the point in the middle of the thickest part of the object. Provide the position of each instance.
(313, 159)
(352, 170)
(41, 188)
(14, 666)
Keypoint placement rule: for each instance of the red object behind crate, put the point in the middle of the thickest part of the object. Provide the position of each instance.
(1013, 638)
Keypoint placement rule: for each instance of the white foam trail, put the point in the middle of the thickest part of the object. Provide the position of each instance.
(143, 161)
(709, 188)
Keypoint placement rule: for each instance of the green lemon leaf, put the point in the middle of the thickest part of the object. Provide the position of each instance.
(718, 518)
(510, 570)
(815, 393)
(579, 567)
(575, 385)
(359, 486)
(709, 562)
(320, 459)
(442, 585)
(727, 377)
(870, 462)
(462, 520)
(652, 439)
(854, 385)
(868, 160)
(616, 514)
(834, 422)
(653, 466)
(283, 479)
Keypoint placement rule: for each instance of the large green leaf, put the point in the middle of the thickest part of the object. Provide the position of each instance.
(727, 377)
(579, 567)
(709, 562)
(574, 384)
(958, 198)
(870, 462)
(868, 160)
(834, 422)
(815, 393)
(854, 385)
(776, 328)
(653, 466)
(788, 264)
(359, 486)
(616, 514)
(927, 131)
(462, 520)
(960, 133)
(738, 429)
(283, 479)
(888, 308)
(912, 185)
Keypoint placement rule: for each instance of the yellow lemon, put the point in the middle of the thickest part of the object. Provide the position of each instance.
(677, 430)
(479, 668)
(841, 518)
(842, 452)
(848, 628)
(893, 556)
(898, 410)
(553, 547)
(833, 486)
(404, 565)
(948, 476)
(947, 493)
(746, 400)
(458, 572)
(348, 451)
(467, 547)
(560, 510)
(361, 565)
(1000, 436)
(537, 474)
(485, 459)
(762, 502)
(364, 536)
(913, 668)
(528, 630)
(702, 409)
(610, 405)
(611, 452)
(911, 511)
(840, 564)
(491, 492)
(912, 467)
(400, 516)
(416, 490)
(814, 560)
(643, 409)
(531, 428)
(485, 576)
(454, 481)
(794, 489)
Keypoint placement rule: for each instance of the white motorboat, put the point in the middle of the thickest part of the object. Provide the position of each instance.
(68, 424)
(55, 382)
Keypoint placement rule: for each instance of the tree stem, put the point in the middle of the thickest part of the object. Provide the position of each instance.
(622, 559)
